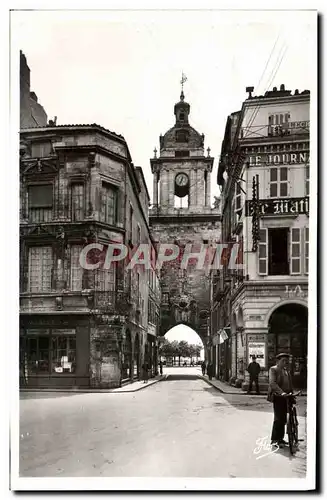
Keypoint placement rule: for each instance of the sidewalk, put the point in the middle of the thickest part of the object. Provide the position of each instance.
(130, 387)
(229, 389)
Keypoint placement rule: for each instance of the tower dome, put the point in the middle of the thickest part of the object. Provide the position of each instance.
(181, 111)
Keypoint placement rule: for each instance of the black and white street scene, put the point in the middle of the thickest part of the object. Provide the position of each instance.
(165, 187)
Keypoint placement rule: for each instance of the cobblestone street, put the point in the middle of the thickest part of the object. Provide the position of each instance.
(178, 427)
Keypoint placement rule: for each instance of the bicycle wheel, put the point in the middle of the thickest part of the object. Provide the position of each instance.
(296, 426)
(290, 432)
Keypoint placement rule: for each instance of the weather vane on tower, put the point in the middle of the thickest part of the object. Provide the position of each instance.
(183, 80)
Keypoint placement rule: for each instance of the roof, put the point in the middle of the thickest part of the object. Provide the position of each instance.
(78, 125)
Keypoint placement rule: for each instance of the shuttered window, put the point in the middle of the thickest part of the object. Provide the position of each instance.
(306, 250)
(76, 270)
(295, 250)
(40, 269)
(263, 251)
(78, 202)
(108, 204)
(278, 185)
(40, 202)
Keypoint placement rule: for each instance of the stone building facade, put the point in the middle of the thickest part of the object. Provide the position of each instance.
(182, 214)
(82, 327)
(261, 309)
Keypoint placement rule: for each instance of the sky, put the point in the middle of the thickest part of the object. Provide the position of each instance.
(122, 70)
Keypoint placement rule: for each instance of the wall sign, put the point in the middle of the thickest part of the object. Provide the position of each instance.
(295, 291)
(257, 349)
(279, 206)
(279, 159)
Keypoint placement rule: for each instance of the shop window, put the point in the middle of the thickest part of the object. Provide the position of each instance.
(63, 356)
(37, 354)
(40, 203)
(76, 270)
(40, 268)
(278, 185)
(108, 211)
(295, 250)
(78, 202)
(278, 251)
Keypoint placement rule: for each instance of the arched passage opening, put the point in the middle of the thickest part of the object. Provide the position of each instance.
(288, 332)
(181, 346)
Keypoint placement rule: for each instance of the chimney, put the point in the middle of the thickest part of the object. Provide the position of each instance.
(282, 87)
(296, 92)
(33, 96)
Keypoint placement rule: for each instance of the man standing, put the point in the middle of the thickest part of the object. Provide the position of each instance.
(203, 368)
(254, 370)
(210, 371)
(280, 385)
(161, 367)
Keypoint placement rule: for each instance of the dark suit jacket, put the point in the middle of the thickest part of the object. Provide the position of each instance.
(279, 382)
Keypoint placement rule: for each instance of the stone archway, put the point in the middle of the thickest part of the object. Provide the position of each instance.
(288, 332)
(184, 334)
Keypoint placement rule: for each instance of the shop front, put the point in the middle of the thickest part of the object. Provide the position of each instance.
(54, 351)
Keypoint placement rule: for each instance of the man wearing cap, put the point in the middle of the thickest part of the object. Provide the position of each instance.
(280, 385)
(254, 371)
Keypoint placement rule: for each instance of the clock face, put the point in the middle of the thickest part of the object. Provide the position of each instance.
(181, 180)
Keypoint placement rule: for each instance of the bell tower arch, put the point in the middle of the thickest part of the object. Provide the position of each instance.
(182, 214)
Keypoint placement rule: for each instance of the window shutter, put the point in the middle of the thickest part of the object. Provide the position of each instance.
(263, 251)
(306, 250)
(295, 250)
(40, 196)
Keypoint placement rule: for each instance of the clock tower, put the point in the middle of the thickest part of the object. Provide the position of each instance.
(182, 214)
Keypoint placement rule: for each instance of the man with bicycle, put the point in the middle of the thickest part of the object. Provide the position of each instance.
(280, 386)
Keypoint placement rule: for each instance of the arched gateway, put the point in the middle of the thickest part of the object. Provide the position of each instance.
(288, 332)
(182, 215)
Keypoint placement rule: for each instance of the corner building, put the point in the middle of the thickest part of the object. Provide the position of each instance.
(264, 177)
(182, 214)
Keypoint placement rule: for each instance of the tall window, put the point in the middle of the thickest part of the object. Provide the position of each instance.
(274, 251)
(295, 250)
(108, 204)
(278, 251)
(306, 250)
(76, 270)
(40, 269)
(78, 201)
(307, 180)
(40, 202)
(106, 279)
(138, 235)
(278, 182)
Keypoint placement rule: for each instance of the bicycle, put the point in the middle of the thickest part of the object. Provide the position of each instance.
(292, 422)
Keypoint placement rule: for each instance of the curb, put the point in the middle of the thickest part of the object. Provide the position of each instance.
(117, 390)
